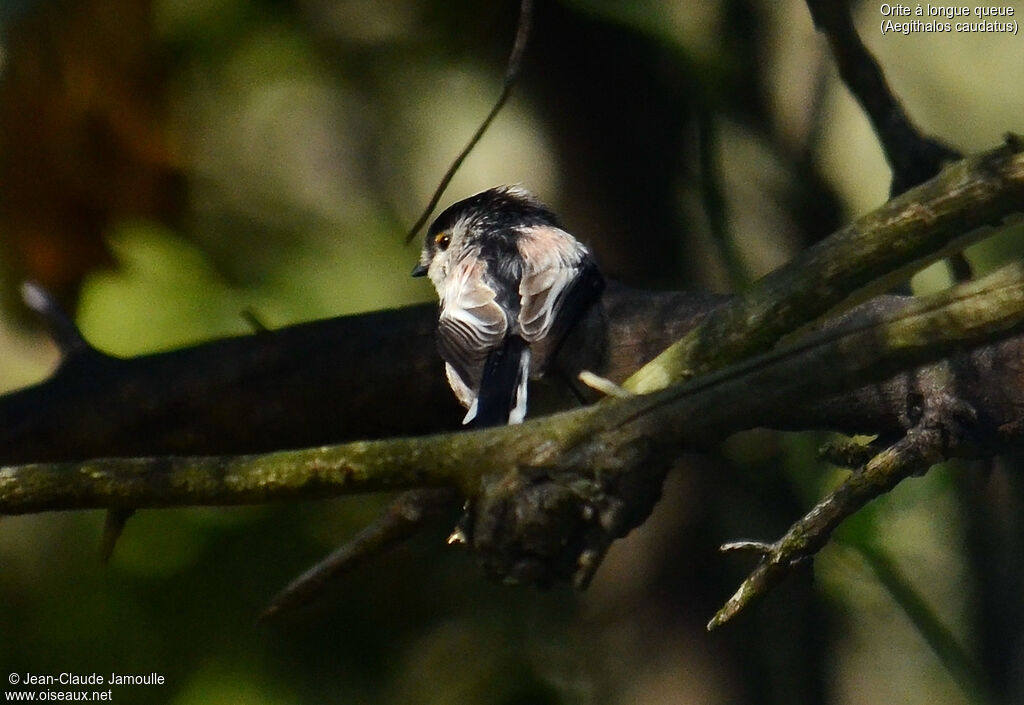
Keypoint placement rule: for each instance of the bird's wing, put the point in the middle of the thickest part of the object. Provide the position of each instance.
(471, 323)
(560, 280)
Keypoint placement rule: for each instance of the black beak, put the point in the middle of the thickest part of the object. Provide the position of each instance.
(419, 270)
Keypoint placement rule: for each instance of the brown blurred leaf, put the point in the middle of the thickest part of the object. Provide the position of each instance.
(83, 137)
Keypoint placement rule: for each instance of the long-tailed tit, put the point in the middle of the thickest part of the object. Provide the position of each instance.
(512, 284)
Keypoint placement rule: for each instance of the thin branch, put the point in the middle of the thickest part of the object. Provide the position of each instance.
(945, 422)
(913, 454)
(912, 156)
(398, 522)
(848, 452)
(113, 526)
(65, 333)
(254, 320)
(515, 61)
(603, 385)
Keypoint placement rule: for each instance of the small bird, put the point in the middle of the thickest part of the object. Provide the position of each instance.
(511, 285)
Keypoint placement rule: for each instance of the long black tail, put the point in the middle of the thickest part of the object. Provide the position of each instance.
(502, 397)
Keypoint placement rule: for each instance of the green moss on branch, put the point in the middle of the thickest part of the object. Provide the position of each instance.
(925, 224)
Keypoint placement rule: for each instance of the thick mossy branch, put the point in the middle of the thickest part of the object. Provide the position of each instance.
(601, 441)
(455, 460)
(881, 249)
(865, 349)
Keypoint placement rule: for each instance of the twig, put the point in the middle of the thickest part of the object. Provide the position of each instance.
(603, 385)
(515, 61)
(915, 453)
(848, 452)
(398, 522)
(759, 547)
(113, 526)
(66, 335)
(254, 321)
(945, 420)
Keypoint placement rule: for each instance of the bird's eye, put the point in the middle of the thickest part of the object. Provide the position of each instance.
(442, 240)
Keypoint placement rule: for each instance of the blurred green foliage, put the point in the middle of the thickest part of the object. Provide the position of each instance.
(306, 135)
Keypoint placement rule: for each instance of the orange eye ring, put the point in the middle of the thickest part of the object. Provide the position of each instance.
(442, 240)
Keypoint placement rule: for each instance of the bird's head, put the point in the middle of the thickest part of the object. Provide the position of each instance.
(496, 214)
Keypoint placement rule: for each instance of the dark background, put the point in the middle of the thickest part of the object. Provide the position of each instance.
(165, 165)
